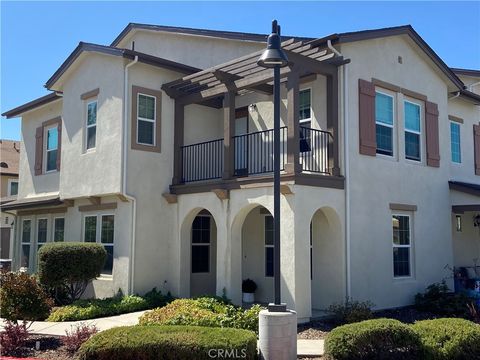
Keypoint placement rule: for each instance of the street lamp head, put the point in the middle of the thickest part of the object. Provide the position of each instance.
(273, 56)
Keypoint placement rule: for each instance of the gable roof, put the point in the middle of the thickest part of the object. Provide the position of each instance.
(125, 53)
(466, 72)
(31, 105)
(9, 157)
(232, 35)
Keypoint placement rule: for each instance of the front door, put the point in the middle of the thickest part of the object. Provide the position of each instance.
(241, 142)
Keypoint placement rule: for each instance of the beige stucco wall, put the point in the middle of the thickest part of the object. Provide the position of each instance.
(375, 182)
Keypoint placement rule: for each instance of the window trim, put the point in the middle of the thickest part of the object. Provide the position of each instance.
(393, 96)
(154, 120)
(409, 246)
(37, 228)
(157, 94)
(267, 246)
(419, 133)
(202, 244)
(45, 147)
(456, 123)
(98, 235)
(9, 190)
(29, 243)
(53, 227)
(311, 107)
(87, 103)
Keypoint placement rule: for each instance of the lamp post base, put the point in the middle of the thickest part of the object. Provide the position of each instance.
(277, 332)
(277, 307)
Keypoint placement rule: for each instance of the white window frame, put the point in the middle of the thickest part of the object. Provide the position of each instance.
(53, 227)
(87, 149)
(393, 127)
(154, 121)
(37, 228)
(459, 141)
(46, 151)
(419, 133)
(204, 244)
(29, 243)
(409, 246)
(266, 246)
(10, 181)
(311, 108)
(98, 235)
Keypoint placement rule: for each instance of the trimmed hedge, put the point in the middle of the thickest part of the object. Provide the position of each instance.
(373, 339)
(203, 311)
(169, 342)
(95, 308)
(449, 339)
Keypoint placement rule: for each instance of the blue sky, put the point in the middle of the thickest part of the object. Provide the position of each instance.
(36, 37)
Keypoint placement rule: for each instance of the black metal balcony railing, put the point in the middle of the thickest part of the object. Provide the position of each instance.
(314, 150)
(254, 152)
(202, 161)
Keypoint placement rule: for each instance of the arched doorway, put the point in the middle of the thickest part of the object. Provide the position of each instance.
(327, 264)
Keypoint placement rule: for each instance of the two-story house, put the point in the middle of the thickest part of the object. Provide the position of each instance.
(160, 147)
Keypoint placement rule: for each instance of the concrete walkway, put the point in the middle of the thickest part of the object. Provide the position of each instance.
(305, 348)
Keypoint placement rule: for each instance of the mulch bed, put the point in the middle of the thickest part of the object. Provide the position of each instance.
(51, 347)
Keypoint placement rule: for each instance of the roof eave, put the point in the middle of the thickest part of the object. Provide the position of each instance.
(41, 101)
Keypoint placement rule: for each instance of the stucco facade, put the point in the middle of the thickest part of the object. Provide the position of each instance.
(336, 229)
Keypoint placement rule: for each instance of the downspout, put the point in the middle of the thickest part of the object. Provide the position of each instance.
(124, 177)
(346, 161)
(455, 96)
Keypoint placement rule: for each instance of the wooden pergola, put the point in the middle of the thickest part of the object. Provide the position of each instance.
(217, 87)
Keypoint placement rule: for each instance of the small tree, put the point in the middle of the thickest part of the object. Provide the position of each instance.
(71, 265)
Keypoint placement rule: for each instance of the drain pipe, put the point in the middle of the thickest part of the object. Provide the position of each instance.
(346, 161)
(124, 177)
(455, 96)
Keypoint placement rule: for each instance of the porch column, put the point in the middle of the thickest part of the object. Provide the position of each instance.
(228, 133)
(332, 123)
(293, 125)
(178, 126)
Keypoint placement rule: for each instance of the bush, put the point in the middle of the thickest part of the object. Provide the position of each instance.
(351, 311)
(203, 311)
(449, 339)
(13, 337)
(169, 342)
(373, 339)
(71, 264)
(22, 298)
(156, 299)
(439, 300)
(78, 335)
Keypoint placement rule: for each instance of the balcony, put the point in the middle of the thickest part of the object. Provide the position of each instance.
(253, 155)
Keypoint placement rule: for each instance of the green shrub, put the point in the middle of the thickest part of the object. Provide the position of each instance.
(169, 342)
(351, 311)
(449, 339)
(155, 298)
(439, 300)
(204, 311)
(22, 298)
(373, 339)
(71, 264)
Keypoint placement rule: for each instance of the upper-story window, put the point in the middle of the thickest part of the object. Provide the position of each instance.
(12, 187)
(51, 148)
(384, 123)
(455, 144)
(146, 119)
(305, 118)
(91, 132)
(412, 131)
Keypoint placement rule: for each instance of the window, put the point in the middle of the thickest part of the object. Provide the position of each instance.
(412, 131)
(305, 118)
(42, 225)
(401, 245)
(12, 187)
(58, 229)
(51, 148)
(101, 229)
(91, 132)
(146, 109)
(26, 241)
(384, 123)
(455, 142)
(269, 234)
(201, 244)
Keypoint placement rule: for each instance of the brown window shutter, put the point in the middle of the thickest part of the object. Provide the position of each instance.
(476, 147)
(38, 150)
(59, 148)
(366, 117)
(431, 132)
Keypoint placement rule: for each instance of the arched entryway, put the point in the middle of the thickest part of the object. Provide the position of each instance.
(327, 272)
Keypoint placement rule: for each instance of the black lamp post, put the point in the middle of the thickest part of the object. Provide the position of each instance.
(274, 57)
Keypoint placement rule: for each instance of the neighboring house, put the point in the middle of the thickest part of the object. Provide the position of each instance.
(159, 147)
(9, 159)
